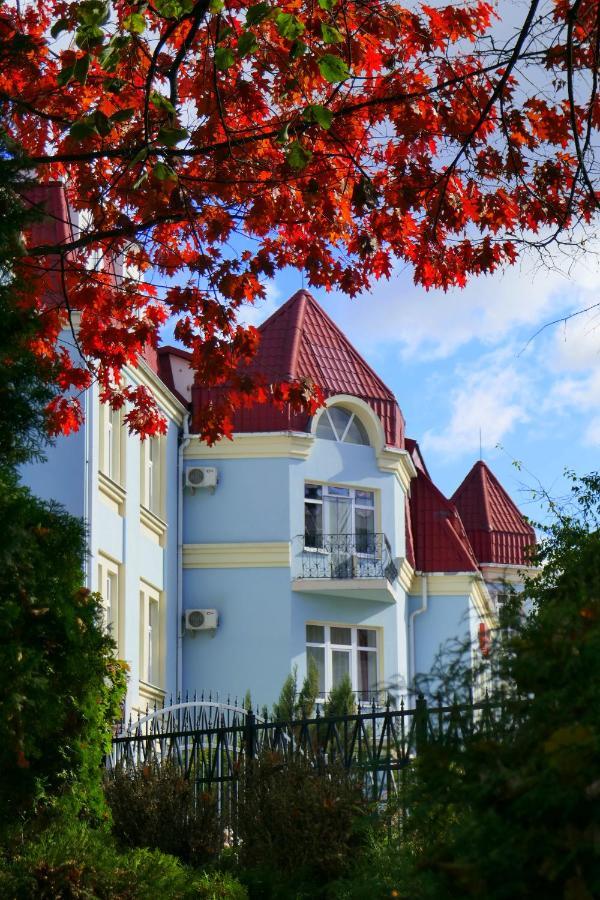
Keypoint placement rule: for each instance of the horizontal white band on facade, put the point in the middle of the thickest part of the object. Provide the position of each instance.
(453, 584)
(259, 555)
(253, 445)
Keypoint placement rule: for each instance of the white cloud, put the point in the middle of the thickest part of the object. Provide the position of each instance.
(262, 309)
(489, 309)
(490, 396)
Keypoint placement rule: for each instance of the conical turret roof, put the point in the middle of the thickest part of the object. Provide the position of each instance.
(497, 530)
(301, 341)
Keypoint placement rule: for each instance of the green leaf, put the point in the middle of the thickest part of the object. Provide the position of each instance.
(88, 36)
(113, 85)
(81, 68)
(83, 129)
(247, 44)
(174, 9)
(327, 4)
(139, 181)
(103, 123)
(298, 157)
(216, 6)
(140, 157)
(224, 58)
(109, 58)
(122, 115)
(93, 12)
(319, 114)
(257, 13)
(289, 26)
(330, 34)
(283, 135)
(65, 75)
(163, 172)
(170, 135)
(159, 102)
(333, 68)
(136, 23)
(298, 49)
(59, 27)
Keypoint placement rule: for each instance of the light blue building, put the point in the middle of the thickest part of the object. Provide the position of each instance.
(222, 568)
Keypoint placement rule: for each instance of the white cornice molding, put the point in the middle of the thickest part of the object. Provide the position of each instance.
(460, 584)
(113, 492)
(399, 462)
(406, 576)
(254, 445)
(169, 404)
(259, 555)
(510, 574)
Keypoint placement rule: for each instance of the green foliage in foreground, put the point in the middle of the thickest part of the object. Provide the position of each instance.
(517, 814)
(77, 861)
(61, 686)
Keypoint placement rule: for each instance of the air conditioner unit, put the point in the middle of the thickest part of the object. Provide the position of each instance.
(200, 477)
(201, 619)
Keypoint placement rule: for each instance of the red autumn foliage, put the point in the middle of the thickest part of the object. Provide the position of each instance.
(212, 143)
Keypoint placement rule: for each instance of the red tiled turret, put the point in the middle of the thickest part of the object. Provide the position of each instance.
(438, 538)
(497, 531)
(300, 341)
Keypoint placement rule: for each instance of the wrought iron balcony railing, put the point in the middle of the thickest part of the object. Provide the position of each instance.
(364, 555)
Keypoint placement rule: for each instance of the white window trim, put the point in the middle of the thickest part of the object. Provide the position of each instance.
(149, 594)
(111, 450)
(352, 647)
(342, 439)
(110, 568)
(153, 499)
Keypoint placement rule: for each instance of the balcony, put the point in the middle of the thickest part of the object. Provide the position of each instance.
(344, 565)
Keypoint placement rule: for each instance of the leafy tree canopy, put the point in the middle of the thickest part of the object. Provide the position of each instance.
(215, 142)
(515, 813)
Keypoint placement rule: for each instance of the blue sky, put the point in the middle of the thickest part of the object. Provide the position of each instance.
(464, 361)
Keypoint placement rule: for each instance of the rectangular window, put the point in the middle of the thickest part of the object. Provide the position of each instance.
(111, 437)
(342, 650)
(151, 451)
(109, 588)
(343, 514)
(150, 636)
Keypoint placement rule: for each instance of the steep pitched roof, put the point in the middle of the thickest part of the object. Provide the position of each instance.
(438, 538)
(301, 341)
(497, 530)
(53, 228)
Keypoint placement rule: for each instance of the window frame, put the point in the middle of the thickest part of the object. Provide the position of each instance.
(352, 649)
(352, 492)
(152, 467)
(110, 572)
(150, 596)
(341, 439)
(111, 451)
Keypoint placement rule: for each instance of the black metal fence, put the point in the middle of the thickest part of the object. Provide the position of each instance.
(212, 743)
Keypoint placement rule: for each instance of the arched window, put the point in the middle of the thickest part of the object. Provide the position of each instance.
(339, 424)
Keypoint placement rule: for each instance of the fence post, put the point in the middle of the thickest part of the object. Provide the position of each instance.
(421, 717)
(250, 736)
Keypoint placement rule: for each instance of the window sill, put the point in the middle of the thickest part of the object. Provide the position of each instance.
(151, 694)
(113, 493)
(153, 525)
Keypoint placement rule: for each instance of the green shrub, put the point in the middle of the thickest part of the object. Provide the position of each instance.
(156, 807)
(76, 861)
(61, 685)
(301, 822)
(341, 700)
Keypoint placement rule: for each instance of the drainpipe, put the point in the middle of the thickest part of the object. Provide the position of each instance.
(413, 615)
(88, 485)
(184, 441)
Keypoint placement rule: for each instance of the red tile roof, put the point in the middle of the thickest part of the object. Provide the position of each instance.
(440, 540)
(54, 229)
(497, 530)
(300, 341)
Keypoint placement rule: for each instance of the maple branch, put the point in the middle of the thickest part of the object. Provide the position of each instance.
(561, 320)
(581, 163)
(198, 13)
(85, 240)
